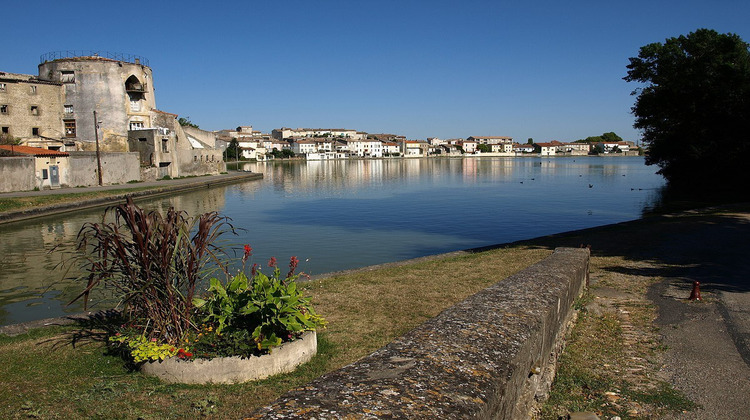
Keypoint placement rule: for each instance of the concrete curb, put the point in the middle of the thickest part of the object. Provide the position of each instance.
(233, 370)
(200, 183)
(482, 358)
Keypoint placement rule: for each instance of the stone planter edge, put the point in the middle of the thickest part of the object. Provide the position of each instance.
(231, 370)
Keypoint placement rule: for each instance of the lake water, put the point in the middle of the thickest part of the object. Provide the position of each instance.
(336, 215)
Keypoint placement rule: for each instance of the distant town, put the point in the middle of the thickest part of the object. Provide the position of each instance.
(90, 118)
(338, 143)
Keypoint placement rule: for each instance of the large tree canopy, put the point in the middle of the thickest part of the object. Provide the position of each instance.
(694, 108)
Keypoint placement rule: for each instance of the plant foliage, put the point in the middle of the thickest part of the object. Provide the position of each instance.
(694, 109)
(153, 263)
(250, 316)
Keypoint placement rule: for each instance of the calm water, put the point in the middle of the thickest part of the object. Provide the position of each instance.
(336, 215)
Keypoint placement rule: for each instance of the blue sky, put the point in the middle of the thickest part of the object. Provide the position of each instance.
(549, 70)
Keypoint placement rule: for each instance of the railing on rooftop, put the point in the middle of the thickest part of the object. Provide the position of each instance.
(127, 58)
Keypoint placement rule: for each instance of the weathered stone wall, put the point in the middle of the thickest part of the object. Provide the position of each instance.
(117, 168)
(206, 137)
(17, 174)
(21, 93)
(99, 84)
(482, 358)
(200, 162)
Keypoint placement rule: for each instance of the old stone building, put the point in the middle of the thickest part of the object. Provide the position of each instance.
(32, 109)
(168, 149)
(56, 110)
(121, 91)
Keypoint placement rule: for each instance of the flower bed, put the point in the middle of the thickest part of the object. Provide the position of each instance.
(156, 265)
(230, 370)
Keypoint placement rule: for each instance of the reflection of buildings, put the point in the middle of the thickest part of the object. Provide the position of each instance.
(28, 266)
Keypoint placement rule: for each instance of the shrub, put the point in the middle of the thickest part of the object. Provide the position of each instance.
(153, 263)
(250, 316)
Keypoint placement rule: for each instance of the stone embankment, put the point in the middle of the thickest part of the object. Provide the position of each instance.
(486, 357)
(156, 189)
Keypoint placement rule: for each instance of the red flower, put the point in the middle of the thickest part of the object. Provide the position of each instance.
(247, 254)
(292, 266)
(272, 262)
(254, 270)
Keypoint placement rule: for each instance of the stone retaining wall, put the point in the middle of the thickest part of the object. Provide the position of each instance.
(483, 358)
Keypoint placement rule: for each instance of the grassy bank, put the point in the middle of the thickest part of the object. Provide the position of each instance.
(612, 357)
(26, 203)
(66, 373)
(611, 365)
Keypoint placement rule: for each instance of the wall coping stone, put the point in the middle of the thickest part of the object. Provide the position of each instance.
(482, 358)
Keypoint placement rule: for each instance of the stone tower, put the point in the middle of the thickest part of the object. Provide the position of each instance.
(119, 88)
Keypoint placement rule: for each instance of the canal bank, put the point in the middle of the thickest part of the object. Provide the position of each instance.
(636, 267)
(111, 193)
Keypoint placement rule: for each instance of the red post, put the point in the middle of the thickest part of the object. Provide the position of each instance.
(696, 293)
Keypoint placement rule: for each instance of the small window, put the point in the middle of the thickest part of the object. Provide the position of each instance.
(142, 139)
(44, 174)
(6, 130)
(68, 109)
(68, 76)
(2, 87)
(70, 128)
(34, 110)
(164, 145)
(4, 109)
(136, 125)
(33, 90)
(35, 131)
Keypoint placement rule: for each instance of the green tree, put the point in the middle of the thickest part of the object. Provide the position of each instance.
(186, 122)
(484, 148)
(694, 110)
(8, 140)
(530, 141)
(611, 137)
(232, 151)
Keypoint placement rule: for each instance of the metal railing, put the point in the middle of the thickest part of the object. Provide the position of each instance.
(127, 58)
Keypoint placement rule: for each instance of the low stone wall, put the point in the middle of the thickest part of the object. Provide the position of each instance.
(117, 168)
(17, 173)
(483, 358)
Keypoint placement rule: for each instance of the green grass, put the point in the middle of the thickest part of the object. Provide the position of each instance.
(590, 370)
(51, 377)
(67, 373)
(25, 203)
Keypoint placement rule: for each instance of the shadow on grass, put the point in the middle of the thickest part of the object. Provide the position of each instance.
(710, 246)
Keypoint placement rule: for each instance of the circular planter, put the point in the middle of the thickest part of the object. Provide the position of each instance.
(231, 370)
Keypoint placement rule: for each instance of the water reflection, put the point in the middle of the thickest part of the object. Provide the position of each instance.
(343, 214)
